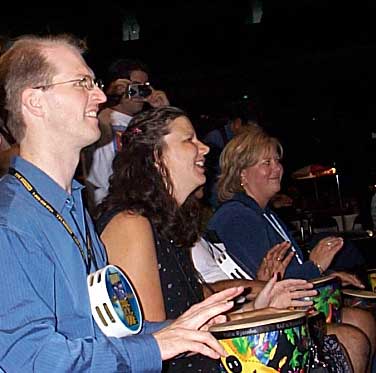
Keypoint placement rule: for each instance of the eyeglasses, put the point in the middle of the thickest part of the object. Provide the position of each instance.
(86, 82)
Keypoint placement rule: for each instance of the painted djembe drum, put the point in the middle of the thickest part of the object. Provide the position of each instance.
(317, 328)
(360, 298)
(371, 275)
(328, 299)
(267, 343)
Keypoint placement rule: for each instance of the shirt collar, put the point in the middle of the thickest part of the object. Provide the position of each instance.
(249, 201)
(119, 119)
(48, 189)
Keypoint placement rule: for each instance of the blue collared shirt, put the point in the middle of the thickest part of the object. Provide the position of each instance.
(45, 317)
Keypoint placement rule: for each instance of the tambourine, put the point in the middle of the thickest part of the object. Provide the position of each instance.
(114, 304)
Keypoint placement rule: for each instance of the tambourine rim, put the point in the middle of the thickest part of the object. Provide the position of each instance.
(257, 321)
(100, 288)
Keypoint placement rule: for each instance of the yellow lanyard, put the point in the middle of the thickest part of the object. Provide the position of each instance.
(90, 253)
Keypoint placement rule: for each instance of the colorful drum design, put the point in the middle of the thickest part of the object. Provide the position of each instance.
(266, 343)
(360, 298)
(329, 297)
(317, 328)
(371, 274)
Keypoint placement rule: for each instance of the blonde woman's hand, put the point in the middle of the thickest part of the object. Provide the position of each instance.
(325, 250)
(276, 261)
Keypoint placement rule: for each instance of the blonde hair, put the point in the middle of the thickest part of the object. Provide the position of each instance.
(241, 152)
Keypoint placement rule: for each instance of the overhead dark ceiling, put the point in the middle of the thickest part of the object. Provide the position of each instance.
(309, 65)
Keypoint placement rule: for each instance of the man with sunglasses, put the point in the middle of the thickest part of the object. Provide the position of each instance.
(128, 92)
(48, 245)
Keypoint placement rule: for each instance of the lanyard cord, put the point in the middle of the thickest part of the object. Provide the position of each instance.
(90, 253)
(277, 227)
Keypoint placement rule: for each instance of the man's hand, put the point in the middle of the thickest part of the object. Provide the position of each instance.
(188, 333)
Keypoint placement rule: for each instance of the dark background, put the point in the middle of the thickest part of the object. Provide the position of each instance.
(308, 68)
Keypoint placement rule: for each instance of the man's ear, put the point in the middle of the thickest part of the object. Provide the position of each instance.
(32, 101)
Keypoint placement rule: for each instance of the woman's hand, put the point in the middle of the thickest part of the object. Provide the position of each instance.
(349, 279)
(325, 250)
(188, 333)
(285, 294)
(275, 261)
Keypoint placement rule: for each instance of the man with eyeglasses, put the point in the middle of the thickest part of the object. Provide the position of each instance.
(48, 245)
(128, 93)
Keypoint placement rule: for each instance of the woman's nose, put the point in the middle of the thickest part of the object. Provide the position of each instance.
(204, 149)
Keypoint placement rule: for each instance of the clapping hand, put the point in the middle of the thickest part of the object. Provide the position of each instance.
(275, 261)
(285, 294)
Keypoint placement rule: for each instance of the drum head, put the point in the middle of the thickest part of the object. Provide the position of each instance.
(359, 293)
(258, 322)
(265, 343)
(323, 279)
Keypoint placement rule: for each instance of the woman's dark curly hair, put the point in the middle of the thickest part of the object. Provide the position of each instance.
(141, 183)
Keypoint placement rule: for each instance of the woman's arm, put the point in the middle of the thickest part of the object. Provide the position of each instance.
(130, 245)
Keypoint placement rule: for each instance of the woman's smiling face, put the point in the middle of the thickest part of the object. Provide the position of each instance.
(263, 180)
(184, 157)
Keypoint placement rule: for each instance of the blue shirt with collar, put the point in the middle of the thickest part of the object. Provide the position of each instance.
(248, 236)
(45, 317)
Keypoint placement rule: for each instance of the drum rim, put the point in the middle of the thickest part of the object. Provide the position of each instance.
(258, 321)
(360, 293)
(323, 279)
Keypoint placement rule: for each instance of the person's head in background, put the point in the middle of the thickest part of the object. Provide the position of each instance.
(156, 173)
(241, 118)
(250, 163)
(120, 74)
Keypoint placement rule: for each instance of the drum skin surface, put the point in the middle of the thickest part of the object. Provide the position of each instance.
(269, 343)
